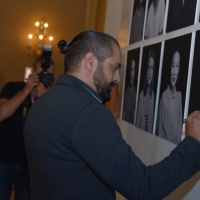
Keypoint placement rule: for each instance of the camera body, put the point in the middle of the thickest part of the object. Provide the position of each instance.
(45, 77)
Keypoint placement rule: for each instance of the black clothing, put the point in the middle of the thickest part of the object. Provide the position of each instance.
(11, 129)
(75, 150)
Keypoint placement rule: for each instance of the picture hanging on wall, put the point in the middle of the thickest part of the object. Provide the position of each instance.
(181, 14)
(155, 18)
(194, 101)
(137, 21)
(173, 88)
(131, 79)
(148, 87)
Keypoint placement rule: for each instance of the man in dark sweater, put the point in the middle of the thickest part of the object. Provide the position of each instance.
(15, 100)
(74, 146)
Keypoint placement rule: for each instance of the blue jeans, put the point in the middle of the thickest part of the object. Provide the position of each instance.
(19, 176)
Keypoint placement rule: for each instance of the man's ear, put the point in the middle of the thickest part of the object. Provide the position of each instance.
(90, 62)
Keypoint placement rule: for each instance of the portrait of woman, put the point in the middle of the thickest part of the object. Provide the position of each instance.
(129, 105)
(170, 108)
(173, 88)
(146, 101)
(130, 97)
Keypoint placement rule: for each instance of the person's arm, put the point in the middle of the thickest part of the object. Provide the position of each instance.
(9, 106)
(98, 141)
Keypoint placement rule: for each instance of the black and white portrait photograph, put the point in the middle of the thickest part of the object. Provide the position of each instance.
(148, 87)
(194, 101)
(155, 18)
(173, 88)
(181, 14)
(137, 21)
(130, 90)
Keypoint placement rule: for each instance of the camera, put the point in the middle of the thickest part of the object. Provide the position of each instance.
(45, 77)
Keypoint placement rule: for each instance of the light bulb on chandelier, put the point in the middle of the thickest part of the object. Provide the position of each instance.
(37, 40)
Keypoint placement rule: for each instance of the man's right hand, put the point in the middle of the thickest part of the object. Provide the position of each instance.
(193, 125)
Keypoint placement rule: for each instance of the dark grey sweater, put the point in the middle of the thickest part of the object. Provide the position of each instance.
(76, 151)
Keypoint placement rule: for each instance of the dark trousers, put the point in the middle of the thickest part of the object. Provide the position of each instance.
(19, 176)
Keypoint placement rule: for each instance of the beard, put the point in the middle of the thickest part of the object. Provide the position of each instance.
(103, 86)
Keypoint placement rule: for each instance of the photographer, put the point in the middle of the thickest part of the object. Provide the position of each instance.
(15, 100)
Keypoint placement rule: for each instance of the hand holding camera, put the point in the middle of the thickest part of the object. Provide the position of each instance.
(41, 75)
(31, 82)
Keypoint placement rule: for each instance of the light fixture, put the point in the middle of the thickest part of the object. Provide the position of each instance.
(39, 38)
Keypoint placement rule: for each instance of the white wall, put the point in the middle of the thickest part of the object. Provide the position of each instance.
(137, 138)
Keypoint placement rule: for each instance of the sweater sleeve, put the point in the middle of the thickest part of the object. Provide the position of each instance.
(98, 141)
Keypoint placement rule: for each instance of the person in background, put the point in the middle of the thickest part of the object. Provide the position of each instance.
(74, 145)
(170, 121)
(155, 19)
(15, 100)
(137, 22)
(145, 112)
(130, 97)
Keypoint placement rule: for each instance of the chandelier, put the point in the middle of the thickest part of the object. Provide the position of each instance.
(39, 38)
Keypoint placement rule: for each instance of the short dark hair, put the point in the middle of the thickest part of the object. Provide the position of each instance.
(99, 43)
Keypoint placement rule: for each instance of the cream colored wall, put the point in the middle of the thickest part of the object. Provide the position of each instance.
(112, 27)
(66, 18)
